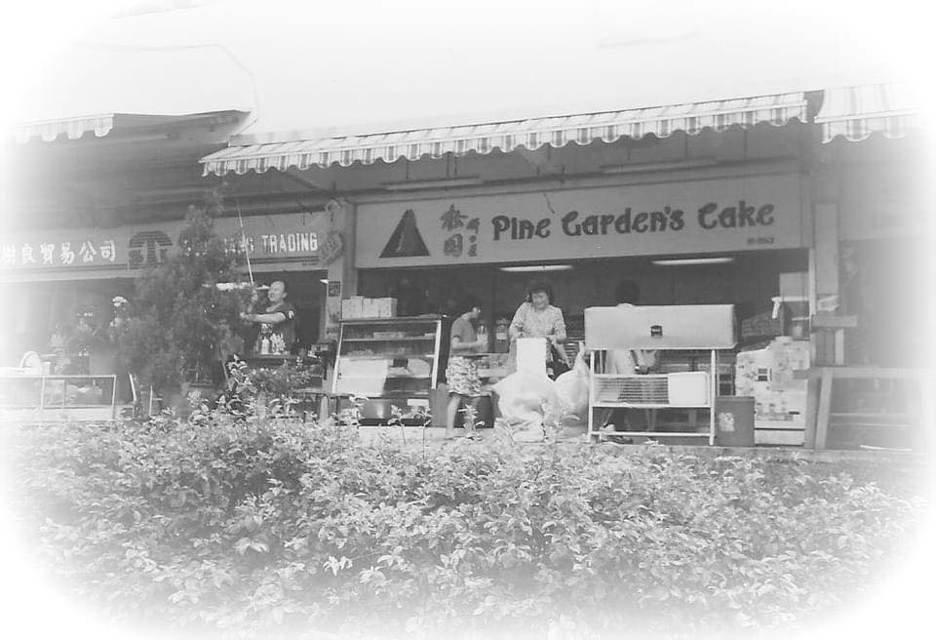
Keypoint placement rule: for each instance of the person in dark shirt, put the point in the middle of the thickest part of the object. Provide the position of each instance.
(279, 317)
(462, 371)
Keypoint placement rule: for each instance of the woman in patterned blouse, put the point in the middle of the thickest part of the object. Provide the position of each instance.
(538, 318)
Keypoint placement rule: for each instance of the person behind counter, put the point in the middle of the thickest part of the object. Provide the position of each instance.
(278, 320)
(628, 362)
(536, 317)
(462, 370)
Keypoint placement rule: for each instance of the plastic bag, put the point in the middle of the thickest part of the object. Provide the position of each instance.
(525, 400)
(572, 391)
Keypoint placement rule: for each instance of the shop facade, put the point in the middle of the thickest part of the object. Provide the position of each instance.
(58, 275)
(436, 214)
(745, 229)
(739, 202)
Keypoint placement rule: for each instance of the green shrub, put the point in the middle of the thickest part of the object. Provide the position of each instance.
(275, 528)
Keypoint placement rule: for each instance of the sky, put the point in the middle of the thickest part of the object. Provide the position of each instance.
(359, 65)
(362, 66)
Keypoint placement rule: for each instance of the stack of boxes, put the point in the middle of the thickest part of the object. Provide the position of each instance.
(361, 307)
(768, 374)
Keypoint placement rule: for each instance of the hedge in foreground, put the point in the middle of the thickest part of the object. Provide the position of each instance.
(276, 529)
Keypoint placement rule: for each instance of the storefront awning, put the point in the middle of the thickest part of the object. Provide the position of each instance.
(74, 128)
(857, 112)
(323, 151)
(102, 124)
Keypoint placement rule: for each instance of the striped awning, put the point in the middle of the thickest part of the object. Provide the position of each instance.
(857, 112)
(125, 123)
(74, 128)
(413, 144)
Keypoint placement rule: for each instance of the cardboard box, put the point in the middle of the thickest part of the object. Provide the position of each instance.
(688, 389)
(352, 307)
(368, 308)
(386, 307)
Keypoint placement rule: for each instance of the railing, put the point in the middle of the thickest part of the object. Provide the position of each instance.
(903, 417)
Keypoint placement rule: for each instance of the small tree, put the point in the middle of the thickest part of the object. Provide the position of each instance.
(181, 327)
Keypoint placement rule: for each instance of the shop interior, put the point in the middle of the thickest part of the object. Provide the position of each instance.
(748, 280)
(37, 311)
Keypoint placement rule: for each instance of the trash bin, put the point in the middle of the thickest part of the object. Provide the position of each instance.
(484, 416)
(734, 421)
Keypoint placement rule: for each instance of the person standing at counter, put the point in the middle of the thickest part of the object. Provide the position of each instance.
(537, 317)
(462, 370)
(628, 362)
(278, 320)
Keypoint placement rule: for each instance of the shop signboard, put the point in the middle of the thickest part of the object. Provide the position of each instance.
(705, 216)
(279, 242)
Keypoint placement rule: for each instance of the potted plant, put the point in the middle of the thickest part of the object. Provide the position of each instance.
(180, 327)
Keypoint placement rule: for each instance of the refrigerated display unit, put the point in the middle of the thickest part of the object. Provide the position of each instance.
(769, 376)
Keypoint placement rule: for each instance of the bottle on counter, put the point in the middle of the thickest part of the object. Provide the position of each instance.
(483, 335)
(264, 346)
(501, 342)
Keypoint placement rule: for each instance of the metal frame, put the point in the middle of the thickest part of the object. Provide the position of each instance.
(712, 393)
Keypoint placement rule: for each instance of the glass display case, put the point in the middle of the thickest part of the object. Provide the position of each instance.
(390, 361)
(31, 397)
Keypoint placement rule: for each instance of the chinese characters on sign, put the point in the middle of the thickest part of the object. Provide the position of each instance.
(455, 244)
(285, 237)
(88, 252)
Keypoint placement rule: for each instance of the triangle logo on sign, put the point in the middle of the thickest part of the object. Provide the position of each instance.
(405, 241)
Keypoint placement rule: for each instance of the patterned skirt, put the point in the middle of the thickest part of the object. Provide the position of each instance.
(462, 376)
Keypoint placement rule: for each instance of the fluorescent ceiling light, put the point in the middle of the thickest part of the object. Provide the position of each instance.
(691, 261)
(178, 190)
(433, 184)
(616, 169)
(528, 268)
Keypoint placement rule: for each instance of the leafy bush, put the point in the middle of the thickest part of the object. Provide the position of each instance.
(282, 381)
(230, 525)
(180, 327)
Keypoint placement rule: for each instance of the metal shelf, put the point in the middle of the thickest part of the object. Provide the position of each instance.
(400, 339)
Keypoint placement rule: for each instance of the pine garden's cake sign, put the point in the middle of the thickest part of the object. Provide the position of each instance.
(702, 216)
(709, 216)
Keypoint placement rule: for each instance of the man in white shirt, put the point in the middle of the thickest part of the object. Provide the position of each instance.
(628, 362)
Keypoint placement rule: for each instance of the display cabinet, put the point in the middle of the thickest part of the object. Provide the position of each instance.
(677, 328)
(29, 397)
(391, 362)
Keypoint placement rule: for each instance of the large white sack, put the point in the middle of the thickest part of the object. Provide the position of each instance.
(572, 391)
(525, 400)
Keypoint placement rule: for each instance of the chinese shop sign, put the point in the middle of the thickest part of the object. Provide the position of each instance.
(278, 241)
(736, 214)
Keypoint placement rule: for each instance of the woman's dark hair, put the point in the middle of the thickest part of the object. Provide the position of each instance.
(537, 286)
(626, 291)
(469, 303)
